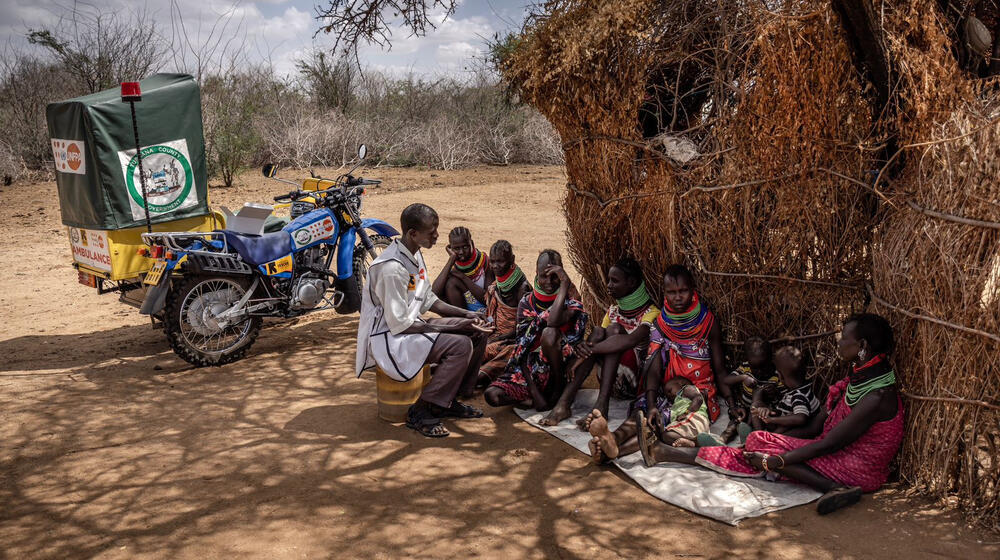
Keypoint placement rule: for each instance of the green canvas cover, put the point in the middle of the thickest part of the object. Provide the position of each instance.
(93, 147)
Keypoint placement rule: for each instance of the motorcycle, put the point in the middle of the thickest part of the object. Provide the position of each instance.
(212, 290)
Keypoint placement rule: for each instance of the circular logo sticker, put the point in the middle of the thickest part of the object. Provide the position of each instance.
(168, 175)
(302, 236)
(73, 157)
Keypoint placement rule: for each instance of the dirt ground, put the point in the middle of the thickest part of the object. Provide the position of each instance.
(112, 447)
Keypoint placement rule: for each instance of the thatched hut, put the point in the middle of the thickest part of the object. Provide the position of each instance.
(808, 160)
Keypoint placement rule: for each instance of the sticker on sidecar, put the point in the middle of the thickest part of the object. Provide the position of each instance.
(320, 229)
(91, 248)
(69, 156)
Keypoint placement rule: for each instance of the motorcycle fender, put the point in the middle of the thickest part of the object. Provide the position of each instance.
(345, 253)
(378, 226)
(156, 297)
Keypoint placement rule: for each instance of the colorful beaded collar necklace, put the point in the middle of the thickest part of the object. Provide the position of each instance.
(691, 324)
(634, 302)
(541, 296)
(874, 374)
(511, 280)
(474, 265)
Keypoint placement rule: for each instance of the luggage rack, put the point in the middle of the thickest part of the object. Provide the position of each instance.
(173, 241)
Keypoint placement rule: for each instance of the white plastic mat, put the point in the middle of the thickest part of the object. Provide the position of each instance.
(714, 495)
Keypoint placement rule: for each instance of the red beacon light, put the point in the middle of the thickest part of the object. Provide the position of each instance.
(131, 92)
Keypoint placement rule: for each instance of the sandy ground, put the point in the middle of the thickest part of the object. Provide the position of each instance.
(112, 447)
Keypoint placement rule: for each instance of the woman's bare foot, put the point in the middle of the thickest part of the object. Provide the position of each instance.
(557, 415)
(605, 439)
(584, 423)
(683, 442)
(596, 453)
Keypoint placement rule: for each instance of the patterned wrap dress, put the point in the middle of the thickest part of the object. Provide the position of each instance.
(527, 359)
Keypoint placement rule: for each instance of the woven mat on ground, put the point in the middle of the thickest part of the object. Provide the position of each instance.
(723, 498)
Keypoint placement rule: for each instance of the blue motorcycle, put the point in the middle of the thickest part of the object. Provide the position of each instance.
(212, 290)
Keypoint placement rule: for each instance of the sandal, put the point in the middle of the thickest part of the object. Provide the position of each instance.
(646, 439)
(422, 421)
(838, 498)
(459, 410)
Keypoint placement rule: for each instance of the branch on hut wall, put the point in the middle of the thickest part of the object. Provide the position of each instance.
(641, 145)
(786, 339)
(951, 217)
(785, 278)
(604, 203)
(950, 399)
(909, 203)
(928, 318)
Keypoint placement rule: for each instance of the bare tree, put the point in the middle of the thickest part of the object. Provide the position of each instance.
(353, 21)
(220, 50)
(28, 85)
(100, 49)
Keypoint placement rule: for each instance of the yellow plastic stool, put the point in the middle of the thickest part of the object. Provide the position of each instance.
(395, 397)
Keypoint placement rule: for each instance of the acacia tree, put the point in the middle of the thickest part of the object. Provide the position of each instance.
(102, 50)
(353, 21)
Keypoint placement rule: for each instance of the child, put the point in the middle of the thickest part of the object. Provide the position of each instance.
(550, 323)
(463, 280)
(685, 342)
(796, 403)
(619, 345)
(688, 414)
(502, 297)
(756, 372)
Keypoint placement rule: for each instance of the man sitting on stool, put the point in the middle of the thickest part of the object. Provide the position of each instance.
(392, 334)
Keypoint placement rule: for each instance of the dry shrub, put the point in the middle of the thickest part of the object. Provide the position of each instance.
(741, 141)
(298, 135)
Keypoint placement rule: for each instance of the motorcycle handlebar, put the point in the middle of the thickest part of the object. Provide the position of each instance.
(354, 187)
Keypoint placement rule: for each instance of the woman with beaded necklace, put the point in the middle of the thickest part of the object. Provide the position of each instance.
(502, 298)
(846, 448)
(464, 278)
(618, 345)
(550, 325)
(685, 341)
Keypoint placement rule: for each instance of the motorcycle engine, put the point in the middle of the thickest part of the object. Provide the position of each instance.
(308, 291)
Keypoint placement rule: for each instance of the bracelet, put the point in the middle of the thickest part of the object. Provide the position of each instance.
(763, 463)
(782, 461)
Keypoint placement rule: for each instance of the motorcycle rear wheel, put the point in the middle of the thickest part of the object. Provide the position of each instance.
(192, 325)
(351, 286)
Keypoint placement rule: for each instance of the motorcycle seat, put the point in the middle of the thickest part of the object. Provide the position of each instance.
(259, 249)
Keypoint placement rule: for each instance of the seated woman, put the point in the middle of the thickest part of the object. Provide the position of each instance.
(686, 342)
(502, 298)
(463, 280)
(846, 449)
(550, 324)
(619, 345)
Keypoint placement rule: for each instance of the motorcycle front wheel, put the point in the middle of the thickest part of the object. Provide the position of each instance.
(351, 286)
(196, 331)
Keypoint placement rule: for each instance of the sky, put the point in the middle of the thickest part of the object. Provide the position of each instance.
(282, 31)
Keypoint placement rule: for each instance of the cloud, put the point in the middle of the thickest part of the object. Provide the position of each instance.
(276, 31)
(453, 55)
